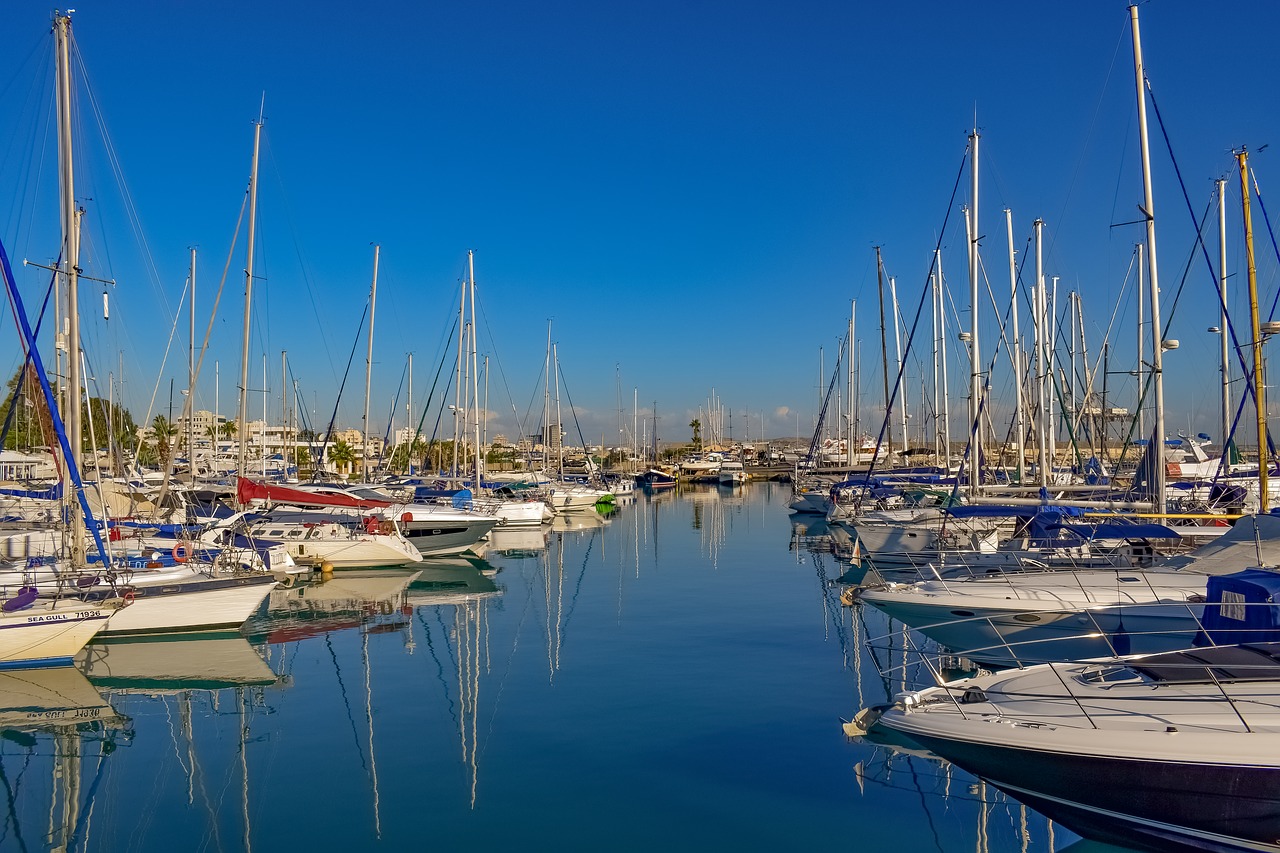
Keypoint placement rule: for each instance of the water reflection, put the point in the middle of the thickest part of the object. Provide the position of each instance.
(370, 600)
(671, 658)
(517, 542)
(54, 726)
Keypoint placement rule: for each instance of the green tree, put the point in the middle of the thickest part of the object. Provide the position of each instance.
(228, 429)
(696, 426)
(164, 433)
(406, 452)
(342, 455)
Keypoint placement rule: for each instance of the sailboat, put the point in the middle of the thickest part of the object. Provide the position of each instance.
(36, 630)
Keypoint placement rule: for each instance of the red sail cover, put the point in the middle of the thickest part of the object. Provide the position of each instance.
(251, 490)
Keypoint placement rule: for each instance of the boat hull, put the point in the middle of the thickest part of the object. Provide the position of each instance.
(50, 633)
(200, 604)
(1157, 805)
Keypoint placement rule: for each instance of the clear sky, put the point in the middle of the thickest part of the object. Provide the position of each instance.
(690, 190)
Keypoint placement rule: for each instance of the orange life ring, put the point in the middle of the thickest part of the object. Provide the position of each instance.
(386, 528)
(128, 597)
(181, 552)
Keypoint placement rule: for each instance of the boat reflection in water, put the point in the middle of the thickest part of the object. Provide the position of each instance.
(572, 522)
(518, 542)
(153, 667)
(51, 722)
(454, 580)
(375, 600)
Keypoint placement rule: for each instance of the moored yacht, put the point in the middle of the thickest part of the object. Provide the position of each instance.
(1171, 752)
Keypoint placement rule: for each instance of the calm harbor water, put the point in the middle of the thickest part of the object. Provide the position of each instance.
(669, 677)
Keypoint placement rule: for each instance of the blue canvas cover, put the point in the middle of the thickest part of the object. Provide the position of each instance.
(1243, 607)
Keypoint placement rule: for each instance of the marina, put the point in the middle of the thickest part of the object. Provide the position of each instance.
(975, 585)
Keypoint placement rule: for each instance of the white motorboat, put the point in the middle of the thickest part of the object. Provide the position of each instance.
(1172, 752)
(732, 473)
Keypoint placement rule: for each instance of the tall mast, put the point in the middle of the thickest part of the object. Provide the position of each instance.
(1053, 369)
(1042, 358)
(409, 428)
(368, 367)
(457, 388)
(555, 366)
(1142, 341)
(1015, 349)
(248, 301)
(975, 352)
(1157, 334)
(71, 254)
(937, 347)
(851, 435)
(900, 383)
(942, 336)
(1222, 294)
(475, 372)
(191, 375)
(884, 351)
(285, 449)
(1260, 395)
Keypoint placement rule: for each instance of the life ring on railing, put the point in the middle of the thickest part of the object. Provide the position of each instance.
(128, 597)
(386, 528)
(181, 552)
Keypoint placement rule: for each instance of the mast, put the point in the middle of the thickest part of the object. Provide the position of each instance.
(942, 336)
(1157, 334)
(475, 372)
(852, 438)
(1260, 395)
(1051, 390)
(1016, 350)
(900, 384)
(975, 352)
(368, 367)
(71, 255)
(410, 431)
(1042, 359)
(457, 386)
(1142, 343)
(191, 375)
(555, 366)
(937, 347)
(884, 351)
(248, 300)
(285, 450)
(1222, 294)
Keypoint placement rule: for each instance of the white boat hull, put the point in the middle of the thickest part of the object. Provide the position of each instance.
(49, 632)
(199, 604)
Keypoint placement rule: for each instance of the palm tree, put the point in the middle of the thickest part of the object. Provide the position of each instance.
(342, 455)
(696, 426)
(164, 432)
(228, 429)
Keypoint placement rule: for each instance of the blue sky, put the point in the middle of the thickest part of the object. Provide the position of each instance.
(690, 190)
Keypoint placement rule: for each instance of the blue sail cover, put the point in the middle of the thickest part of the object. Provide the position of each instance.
(1243, 607)
(52, 494)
